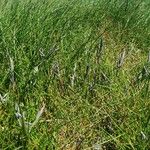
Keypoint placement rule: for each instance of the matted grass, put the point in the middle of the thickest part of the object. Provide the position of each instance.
(74, 74)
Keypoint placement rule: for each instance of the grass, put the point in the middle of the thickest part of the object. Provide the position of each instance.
(74, 74)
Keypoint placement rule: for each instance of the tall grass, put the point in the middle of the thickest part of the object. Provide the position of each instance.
(74, 74)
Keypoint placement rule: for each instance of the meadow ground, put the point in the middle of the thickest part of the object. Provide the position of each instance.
(74, 74)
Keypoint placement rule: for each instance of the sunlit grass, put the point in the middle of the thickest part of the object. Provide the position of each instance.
(74, 74)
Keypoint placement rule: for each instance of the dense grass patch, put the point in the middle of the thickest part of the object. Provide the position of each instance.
(74, 74)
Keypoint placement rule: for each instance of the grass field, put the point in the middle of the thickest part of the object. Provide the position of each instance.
(74, 74)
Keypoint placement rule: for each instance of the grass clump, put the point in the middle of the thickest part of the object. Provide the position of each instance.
(74, 74)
